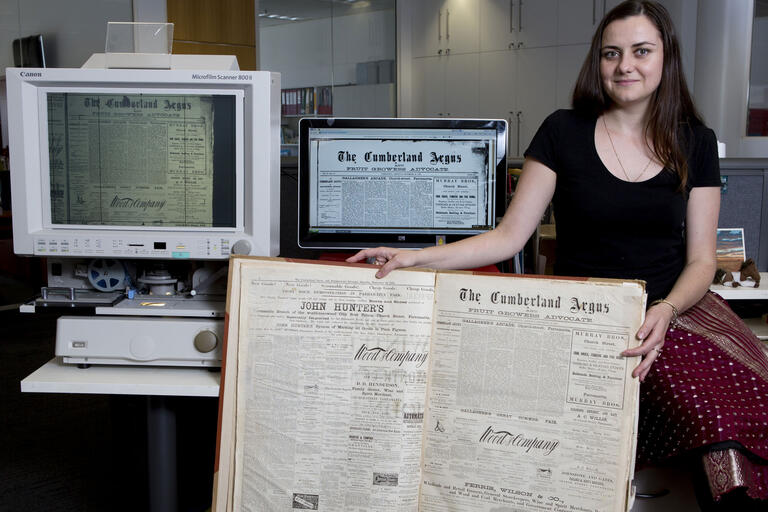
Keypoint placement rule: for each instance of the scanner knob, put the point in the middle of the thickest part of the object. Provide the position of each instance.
(206, 340)
(241, 247)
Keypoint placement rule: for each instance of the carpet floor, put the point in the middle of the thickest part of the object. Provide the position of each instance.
(69, 452)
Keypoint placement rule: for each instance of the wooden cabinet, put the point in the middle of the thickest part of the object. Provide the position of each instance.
(569, 60)
(427, 23)
(462, 78)
(536, 23)
(428, 83)
(462, 26)
(442, 27)
(577, 20)
(499, 29)
(536, 89)
(215, 27)
(446, 85)
(507, 24)
(515, 86)
(497, 85)
(509, 59)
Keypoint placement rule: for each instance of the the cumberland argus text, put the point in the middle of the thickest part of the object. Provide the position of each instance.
(434, 183)
(133, 159)
(530, 406)
(430, 391)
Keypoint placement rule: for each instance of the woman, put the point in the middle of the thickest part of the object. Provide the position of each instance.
(633, 174)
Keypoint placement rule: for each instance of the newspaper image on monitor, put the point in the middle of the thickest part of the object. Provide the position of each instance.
(140, 159)
(405, 182)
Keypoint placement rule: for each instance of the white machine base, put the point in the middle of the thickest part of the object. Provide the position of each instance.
(140, 341)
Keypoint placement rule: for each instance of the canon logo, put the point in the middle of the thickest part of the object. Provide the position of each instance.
(28, 74)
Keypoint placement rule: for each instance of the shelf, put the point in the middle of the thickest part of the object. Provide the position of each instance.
(57, 377)
(746, 291)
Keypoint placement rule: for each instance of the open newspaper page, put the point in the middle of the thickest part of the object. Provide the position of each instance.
(331, 387)
(401, 183)
(130, 159)
(530, 405)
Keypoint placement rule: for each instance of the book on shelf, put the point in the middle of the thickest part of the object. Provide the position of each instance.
(425, 390)
(325, 101)
(307, 101)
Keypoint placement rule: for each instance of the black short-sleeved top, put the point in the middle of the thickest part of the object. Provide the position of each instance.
(608, 227)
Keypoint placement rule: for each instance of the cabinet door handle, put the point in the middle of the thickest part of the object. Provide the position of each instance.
(520, 16)
(509, 135)
(439, 23)
(518, 133)
(447, 24)
(511, 16)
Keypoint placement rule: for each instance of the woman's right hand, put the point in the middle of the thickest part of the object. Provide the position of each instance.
(388, 257)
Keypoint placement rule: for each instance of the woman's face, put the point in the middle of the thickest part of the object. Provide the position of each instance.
(631, 60)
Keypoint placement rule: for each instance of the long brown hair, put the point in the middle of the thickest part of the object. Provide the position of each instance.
(671, 106)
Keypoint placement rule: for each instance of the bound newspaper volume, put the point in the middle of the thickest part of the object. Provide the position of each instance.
(425, 391)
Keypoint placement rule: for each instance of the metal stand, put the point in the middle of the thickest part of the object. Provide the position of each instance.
(161, 455)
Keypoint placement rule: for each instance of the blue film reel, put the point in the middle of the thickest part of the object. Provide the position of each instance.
(107, 275)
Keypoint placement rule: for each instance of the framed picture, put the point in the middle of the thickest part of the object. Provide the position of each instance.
(730, 248)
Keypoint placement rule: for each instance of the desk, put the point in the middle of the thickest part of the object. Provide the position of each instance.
(56, 377)
(748, 292)
(156, 383)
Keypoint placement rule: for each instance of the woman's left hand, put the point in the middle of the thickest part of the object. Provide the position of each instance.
(652, 334)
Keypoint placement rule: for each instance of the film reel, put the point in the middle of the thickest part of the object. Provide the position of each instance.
(107, 275)
(159, 281)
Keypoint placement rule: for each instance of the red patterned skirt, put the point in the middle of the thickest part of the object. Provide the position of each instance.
(709, 386)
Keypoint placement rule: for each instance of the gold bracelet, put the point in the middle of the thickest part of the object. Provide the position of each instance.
(670, 304)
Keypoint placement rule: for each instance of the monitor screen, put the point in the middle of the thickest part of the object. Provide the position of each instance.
(141, 159)
(29, 52)
(167, 164)
(398, 182)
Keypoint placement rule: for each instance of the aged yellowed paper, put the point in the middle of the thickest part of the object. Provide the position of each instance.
(425, 391)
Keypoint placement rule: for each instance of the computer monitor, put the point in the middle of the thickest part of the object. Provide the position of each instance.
(166, 164)
(29, 52)
(398, 182)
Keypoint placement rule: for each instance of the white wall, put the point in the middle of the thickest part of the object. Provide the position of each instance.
(9, 27)
(684, 15)
(724, 34)
(301, 51)
(72, 29)
(151, 11)
(758, 81)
